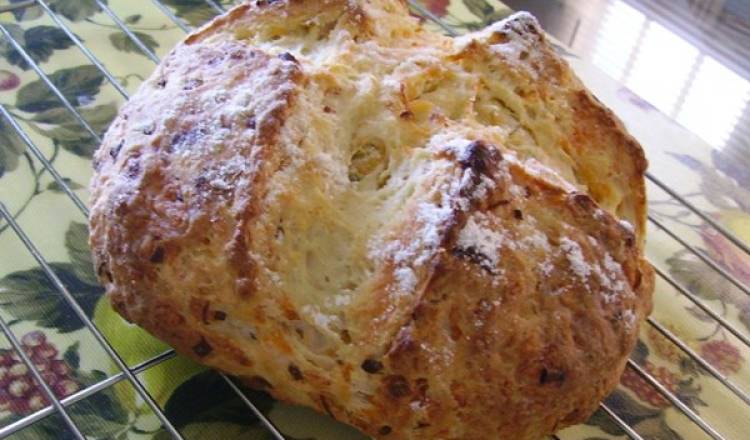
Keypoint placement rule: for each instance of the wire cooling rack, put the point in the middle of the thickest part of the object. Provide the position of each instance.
(130, 374)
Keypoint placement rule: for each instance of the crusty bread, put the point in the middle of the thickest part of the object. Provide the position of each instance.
(425, 237)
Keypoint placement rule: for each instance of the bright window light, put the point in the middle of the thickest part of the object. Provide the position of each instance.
(617, 38)
(714, 102)
(661, 68)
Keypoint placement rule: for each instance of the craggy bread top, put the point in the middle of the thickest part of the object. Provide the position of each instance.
(422, 236)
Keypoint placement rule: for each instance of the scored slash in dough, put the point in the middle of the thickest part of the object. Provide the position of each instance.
(423, 236)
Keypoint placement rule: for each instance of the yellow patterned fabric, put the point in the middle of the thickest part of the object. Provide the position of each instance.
(696, 341)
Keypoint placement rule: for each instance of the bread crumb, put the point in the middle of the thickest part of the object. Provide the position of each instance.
(320, 319)
(341, 300)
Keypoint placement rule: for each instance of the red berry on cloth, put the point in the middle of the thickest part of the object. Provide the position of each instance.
(438, 7)
(19, 392)
(8, 80)
(723, 356)
(645, 392)
(33, 339)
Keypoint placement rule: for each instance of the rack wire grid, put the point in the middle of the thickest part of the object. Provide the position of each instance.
(60, 407)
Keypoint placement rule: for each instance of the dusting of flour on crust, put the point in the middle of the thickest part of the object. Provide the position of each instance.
(610, 276)
(434, 217)
(480, 239)
(575, 257)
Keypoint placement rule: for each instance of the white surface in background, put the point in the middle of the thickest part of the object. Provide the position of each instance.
(670, 73)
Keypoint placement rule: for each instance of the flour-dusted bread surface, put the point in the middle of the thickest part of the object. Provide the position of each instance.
(422, 236)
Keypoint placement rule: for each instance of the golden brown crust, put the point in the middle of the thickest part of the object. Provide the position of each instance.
(420, 236)
(562, 114)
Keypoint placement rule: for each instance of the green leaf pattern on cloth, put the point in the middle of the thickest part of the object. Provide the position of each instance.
(11, 147)
(30, 296)
(79, 85)
(195, 12)
(67, 181)
(62, 126)
(121, 41)
(75, 10)
(40, 42)
(30, 12)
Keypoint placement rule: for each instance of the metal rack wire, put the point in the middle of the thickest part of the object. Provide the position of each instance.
(59, 406)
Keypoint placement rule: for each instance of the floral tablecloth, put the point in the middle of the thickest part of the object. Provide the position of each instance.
(198, 401)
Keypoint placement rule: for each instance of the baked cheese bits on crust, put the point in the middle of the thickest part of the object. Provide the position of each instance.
(422, 236)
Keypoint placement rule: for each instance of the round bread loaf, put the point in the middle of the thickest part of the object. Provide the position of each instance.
(425, 237)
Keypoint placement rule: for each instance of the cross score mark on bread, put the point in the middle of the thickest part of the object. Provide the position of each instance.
(422, 236)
